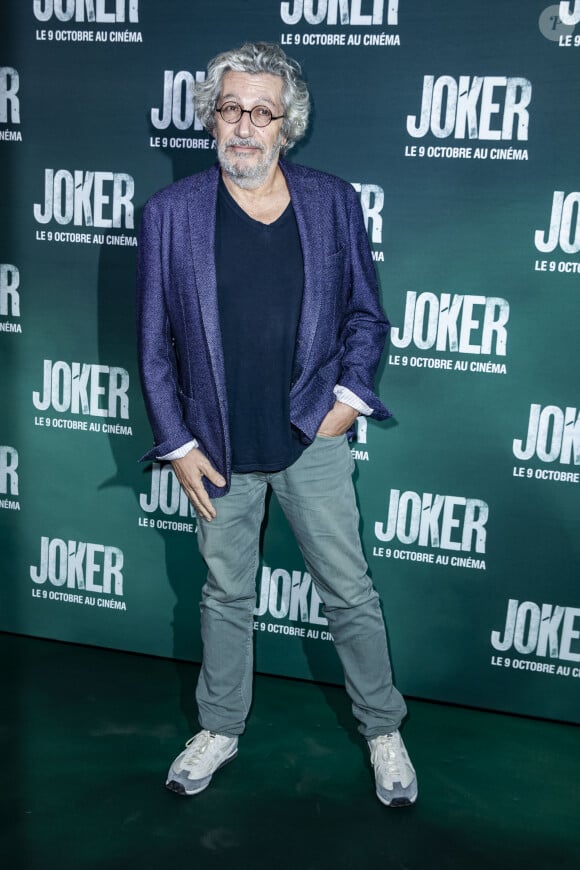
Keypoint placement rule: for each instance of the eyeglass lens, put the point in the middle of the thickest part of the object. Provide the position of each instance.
(260, 116)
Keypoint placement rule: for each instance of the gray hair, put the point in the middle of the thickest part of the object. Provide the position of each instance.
(257, 57)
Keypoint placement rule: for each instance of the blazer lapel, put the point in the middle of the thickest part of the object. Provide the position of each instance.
(305, 196)
(201, 206)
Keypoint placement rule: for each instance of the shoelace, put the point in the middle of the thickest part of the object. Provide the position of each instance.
(197, 745)
(385, 746)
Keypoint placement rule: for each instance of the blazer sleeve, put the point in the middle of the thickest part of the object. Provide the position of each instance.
(157, 360)
(364, 326)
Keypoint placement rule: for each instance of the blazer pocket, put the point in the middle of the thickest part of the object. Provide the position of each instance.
(335, 257)
(189, 405)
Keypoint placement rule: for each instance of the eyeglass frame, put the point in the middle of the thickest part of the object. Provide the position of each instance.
(249, 112)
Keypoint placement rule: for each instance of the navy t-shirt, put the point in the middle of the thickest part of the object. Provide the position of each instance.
(260, 280)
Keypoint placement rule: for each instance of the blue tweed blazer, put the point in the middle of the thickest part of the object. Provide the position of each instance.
(341, 332)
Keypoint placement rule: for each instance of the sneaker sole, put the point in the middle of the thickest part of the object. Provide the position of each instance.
(179, 788)
(398, 801)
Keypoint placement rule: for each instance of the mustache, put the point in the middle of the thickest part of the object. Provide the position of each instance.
(247, 142)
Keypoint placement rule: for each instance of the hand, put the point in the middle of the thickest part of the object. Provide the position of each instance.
(338, 420)
(190, 470)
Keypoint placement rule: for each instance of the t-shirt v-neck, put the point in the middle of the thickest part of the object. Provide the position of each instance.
(260, 280)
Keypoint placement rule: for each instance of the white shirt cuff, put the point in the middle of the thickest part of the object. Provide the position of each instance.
(182, 451)
(347, 397)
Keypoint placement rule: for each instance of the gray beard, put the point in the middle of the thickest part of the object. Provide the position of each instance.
(247, 177)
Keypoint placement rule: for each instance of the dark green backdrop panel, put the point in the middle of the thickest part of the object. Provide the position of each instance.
(457, 123)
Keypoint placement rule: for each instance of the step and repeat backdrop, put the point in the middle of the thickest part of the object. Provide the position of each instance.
(457, 123)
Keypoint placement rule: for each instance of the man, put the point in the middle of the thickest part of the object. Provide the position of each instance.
(260, 332)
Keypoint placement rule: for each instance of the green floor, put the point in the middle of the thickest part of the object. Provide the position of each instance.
(87, 735)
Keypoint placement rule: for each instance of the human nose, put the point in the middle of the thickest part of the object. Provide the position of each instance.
(244, 128)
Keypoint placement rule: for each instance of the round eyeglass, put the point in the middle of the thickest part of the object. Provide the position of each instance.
(260, 116)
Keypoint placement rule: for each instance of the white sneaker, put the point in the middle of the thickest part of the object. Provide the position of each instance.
(395, 778)
(205, 753)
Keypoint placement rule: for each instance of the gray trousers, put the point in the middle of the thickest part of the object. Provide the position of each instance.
(317, 496)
